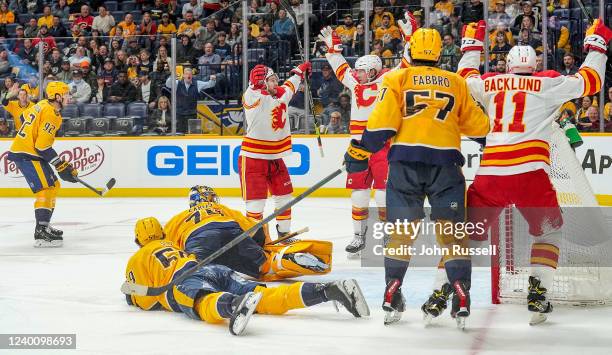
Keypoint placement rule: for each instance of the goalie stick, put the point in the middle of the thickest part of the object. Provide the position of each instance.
(109, 185)
(131, 288)
(285, 4)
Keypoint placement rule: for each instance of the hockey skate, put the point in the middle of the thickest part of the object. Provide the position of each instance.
(356, 245)
(536, 302)
(45, 238)
(349, 295)
(461, 302)
(436, 304)
(284, 234)
(244, 307)
(394, 303)
(307, 261)
(55, 231)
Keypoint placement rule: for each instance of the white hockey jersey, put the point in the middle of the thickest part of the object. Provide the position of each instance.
(521, 110)
(268, 134)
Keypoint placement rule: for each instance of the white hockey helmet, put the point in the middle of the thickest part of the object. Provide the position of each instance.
(269, 73)
(369, 62)
(521, 60)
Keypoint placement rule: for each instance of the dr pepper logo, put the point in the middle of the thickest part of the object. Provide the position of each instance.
(86, 159)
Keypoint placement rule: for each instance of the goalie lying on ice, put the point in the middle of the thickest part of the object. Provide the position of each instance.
(215, 292)
(208, 225)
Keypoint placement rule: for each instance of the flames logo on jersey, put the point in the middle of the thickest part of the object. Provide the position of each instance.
(278, 117)
(360, 91)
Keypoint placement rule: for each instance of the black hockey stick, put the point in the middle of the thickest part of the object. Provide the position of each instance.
(290, 235)
(131, 288)
(585, 12)
(109, 185)
(287, 6)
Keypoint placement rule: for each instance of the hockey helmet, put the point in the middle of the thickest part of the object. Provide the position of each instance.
(147, 230)
(426, 45)
(200, 193)
(521, 60)
(367, 63)
(56, 88)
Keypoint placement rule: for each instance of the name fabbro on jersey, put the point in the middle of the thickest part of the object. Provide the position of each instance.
(430, 80)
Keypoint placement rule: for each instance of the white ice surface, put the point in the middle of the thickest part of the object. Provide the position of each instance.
(75, 289)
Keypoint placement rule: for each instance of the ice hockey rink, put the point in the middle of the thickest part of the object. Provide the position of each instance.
(75, 289)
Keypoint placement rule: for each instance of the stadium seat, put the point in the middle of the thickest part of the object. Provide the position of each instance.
(70, 111)
(24, 18)
(75, 127)
(194, 126)
(98, 125)
(118, 15)
(137, 109)
(563, 14)
(128, 6)
(123, 125)
(93, 110)
(11, 29)
(111, 6)
(114, 110)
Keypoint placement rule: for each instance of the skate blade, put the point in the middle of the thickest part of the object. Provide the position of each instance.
(427, 319)
(355, 292)
(46, 244)
(392, 317)
(537, 318)
(238, 324)
(460, 323)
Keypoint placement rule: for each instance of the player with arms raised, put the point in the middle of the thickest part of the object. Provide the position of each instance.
(522, 105)
(33, 153)
(425, 110)
(267, 141)
(364, 82)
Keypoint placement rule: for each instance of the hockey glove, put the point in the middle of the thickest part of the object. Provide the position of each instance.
(408, 25)
(302, 69)
(356, 157)
(66, 171)
(331, 39)
(597, 37)
(473, 35)
(257, 77)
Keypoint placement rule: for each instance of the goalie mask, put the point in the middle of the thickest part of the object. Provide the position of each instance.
(521, 60)
(147, 230)
(367, 63)
(200, 194)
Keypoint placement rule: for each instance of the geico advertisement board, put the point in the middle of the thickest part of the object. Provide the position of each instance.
(182, 162)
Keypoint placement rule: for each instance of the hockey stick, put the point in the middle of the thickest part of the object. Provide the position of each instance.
(290, 235)
(131, 288)
(585, 12)
(109, 185)
(289, 9)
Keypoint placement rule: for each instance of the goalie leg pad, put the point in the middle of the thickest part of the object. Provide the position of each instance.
(284, 260)
(280, 299)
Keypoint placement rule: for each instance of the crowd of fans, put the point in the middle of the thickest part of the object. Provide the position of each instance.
(119, 51)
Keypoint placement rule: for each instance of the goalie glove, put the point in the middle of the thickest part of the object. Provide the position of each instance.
(66, 171)
(473, 35)
(257, 77)
(302, 69)
(597, 37)
(408, 25)
(331, 40)
(356, 157)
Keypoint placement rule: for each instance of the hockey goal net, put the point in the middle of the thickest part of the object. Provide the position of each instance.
(583, 276)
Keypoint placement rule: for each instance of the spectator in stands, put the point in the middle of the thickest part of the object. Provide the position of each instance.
(472, 11)
(325, 86)
(121, 60)
(283, 27)
(127, 26)
(389, 34)
(295, 111)
(500, 46)
(16, 43)
(379, 50)
(98, 59)
(188, 92)
(55, 61)
(57, 30)
(65, 75)
(222, 48)
(104, 22)
(337, 124)
(208, 62)
(224, 16)
(123, 90)
(513, 9)
(61, 9)
(4, 128)
(88, 76)
(84, 20)
(347, 30)
(6, 16)
(160, 120)
(267, 31)
(162, 57)
(145, 59)
(190, 26)
(206, 34)
(499, 15)
(608, 108)
(28, 52)
(165, 27)
(358, 42)
(48, 41)
(31, 29)
(108, 71)
(7, 86)
(46, 18)
(133, 47)
(581, 113)
(569, 66)
(589, 123)
(454, 26)
(100, 91)
(80, 91)
(377, 18)
(133, 66)
(185, 53)
(337, 115)
(398, 7)
(234, 35)
(148, 90)
(160, 74)
(527, 11)
(157, 9)
(500, 66)
(539, 62)
(444, 7)
(78, 58)
(5, 67)
(148, 28)
(526, 38)
(195, 7)
(451, 53)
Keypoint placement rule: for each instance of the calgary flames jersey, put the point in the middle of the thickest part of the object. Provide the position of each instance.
(426, 110)
(37, 133)
(155, 265)
(521, 110)
(204, 216)
(268, 134)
